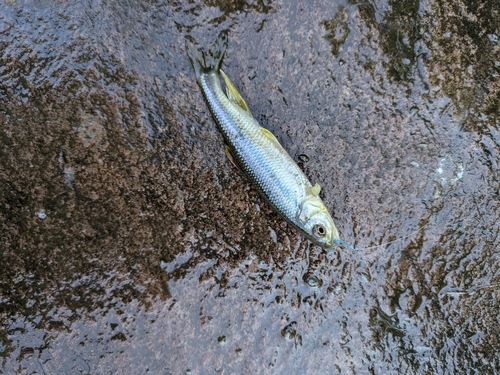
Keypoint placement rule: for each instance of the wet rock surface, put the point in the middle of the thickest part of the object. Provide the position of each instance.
(129, 244)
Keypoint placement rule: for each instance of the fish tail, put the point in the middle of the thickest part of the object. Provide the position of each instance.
(203, 61)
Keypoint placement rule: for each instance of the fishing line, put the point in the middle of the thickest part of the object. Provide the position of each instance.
(340, 242)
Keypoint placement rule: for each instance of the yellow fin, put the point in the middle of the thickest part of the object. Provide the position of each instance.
(270, 135)
(233, 94)
(229, 155)
(315, 189)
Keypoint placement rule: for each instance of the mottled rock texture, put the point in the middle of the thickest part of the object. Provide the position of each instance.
(130, 245)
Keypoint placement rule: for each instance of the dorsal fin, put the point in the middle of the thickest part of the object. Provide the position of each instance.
(270, 135)
(233, 94)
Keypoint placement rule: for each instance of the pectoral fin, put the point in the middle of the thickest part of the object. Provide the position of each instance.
(227, 149)
(314, 190)
(233, 94)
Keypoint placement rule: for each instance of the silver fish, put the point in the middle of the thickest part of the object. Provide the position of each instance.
(259, 154)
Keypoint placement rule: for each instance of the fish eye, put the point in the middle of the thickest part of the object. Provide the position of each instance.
(319, 230)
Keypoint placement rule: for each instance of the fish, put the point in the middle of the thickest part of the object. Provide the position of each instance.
(258, 153)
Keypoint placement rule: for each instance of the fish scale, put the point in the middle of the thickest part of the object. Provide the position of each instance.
(259, 154)
(278, 178)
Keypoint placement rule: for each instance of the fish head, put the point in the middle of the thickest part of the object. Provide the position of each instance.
(317, 223)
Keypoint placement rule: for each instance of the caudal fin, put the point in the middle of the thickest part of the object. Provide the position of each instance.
(204, 61)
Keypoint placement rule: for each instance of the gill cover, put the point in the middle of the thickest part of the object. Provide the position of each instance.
(316, 220)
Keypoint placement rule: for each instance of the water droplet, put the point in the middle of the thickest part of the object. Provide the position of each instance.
(413, 111)
(406, 61)
(222, 340)
(365, 277)
(303, 158)
(274, 236)
(69, 175)
(338, 289)
(252, 74)
(493, 37)
(312, 281)
(289, 331)
(41, 214)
